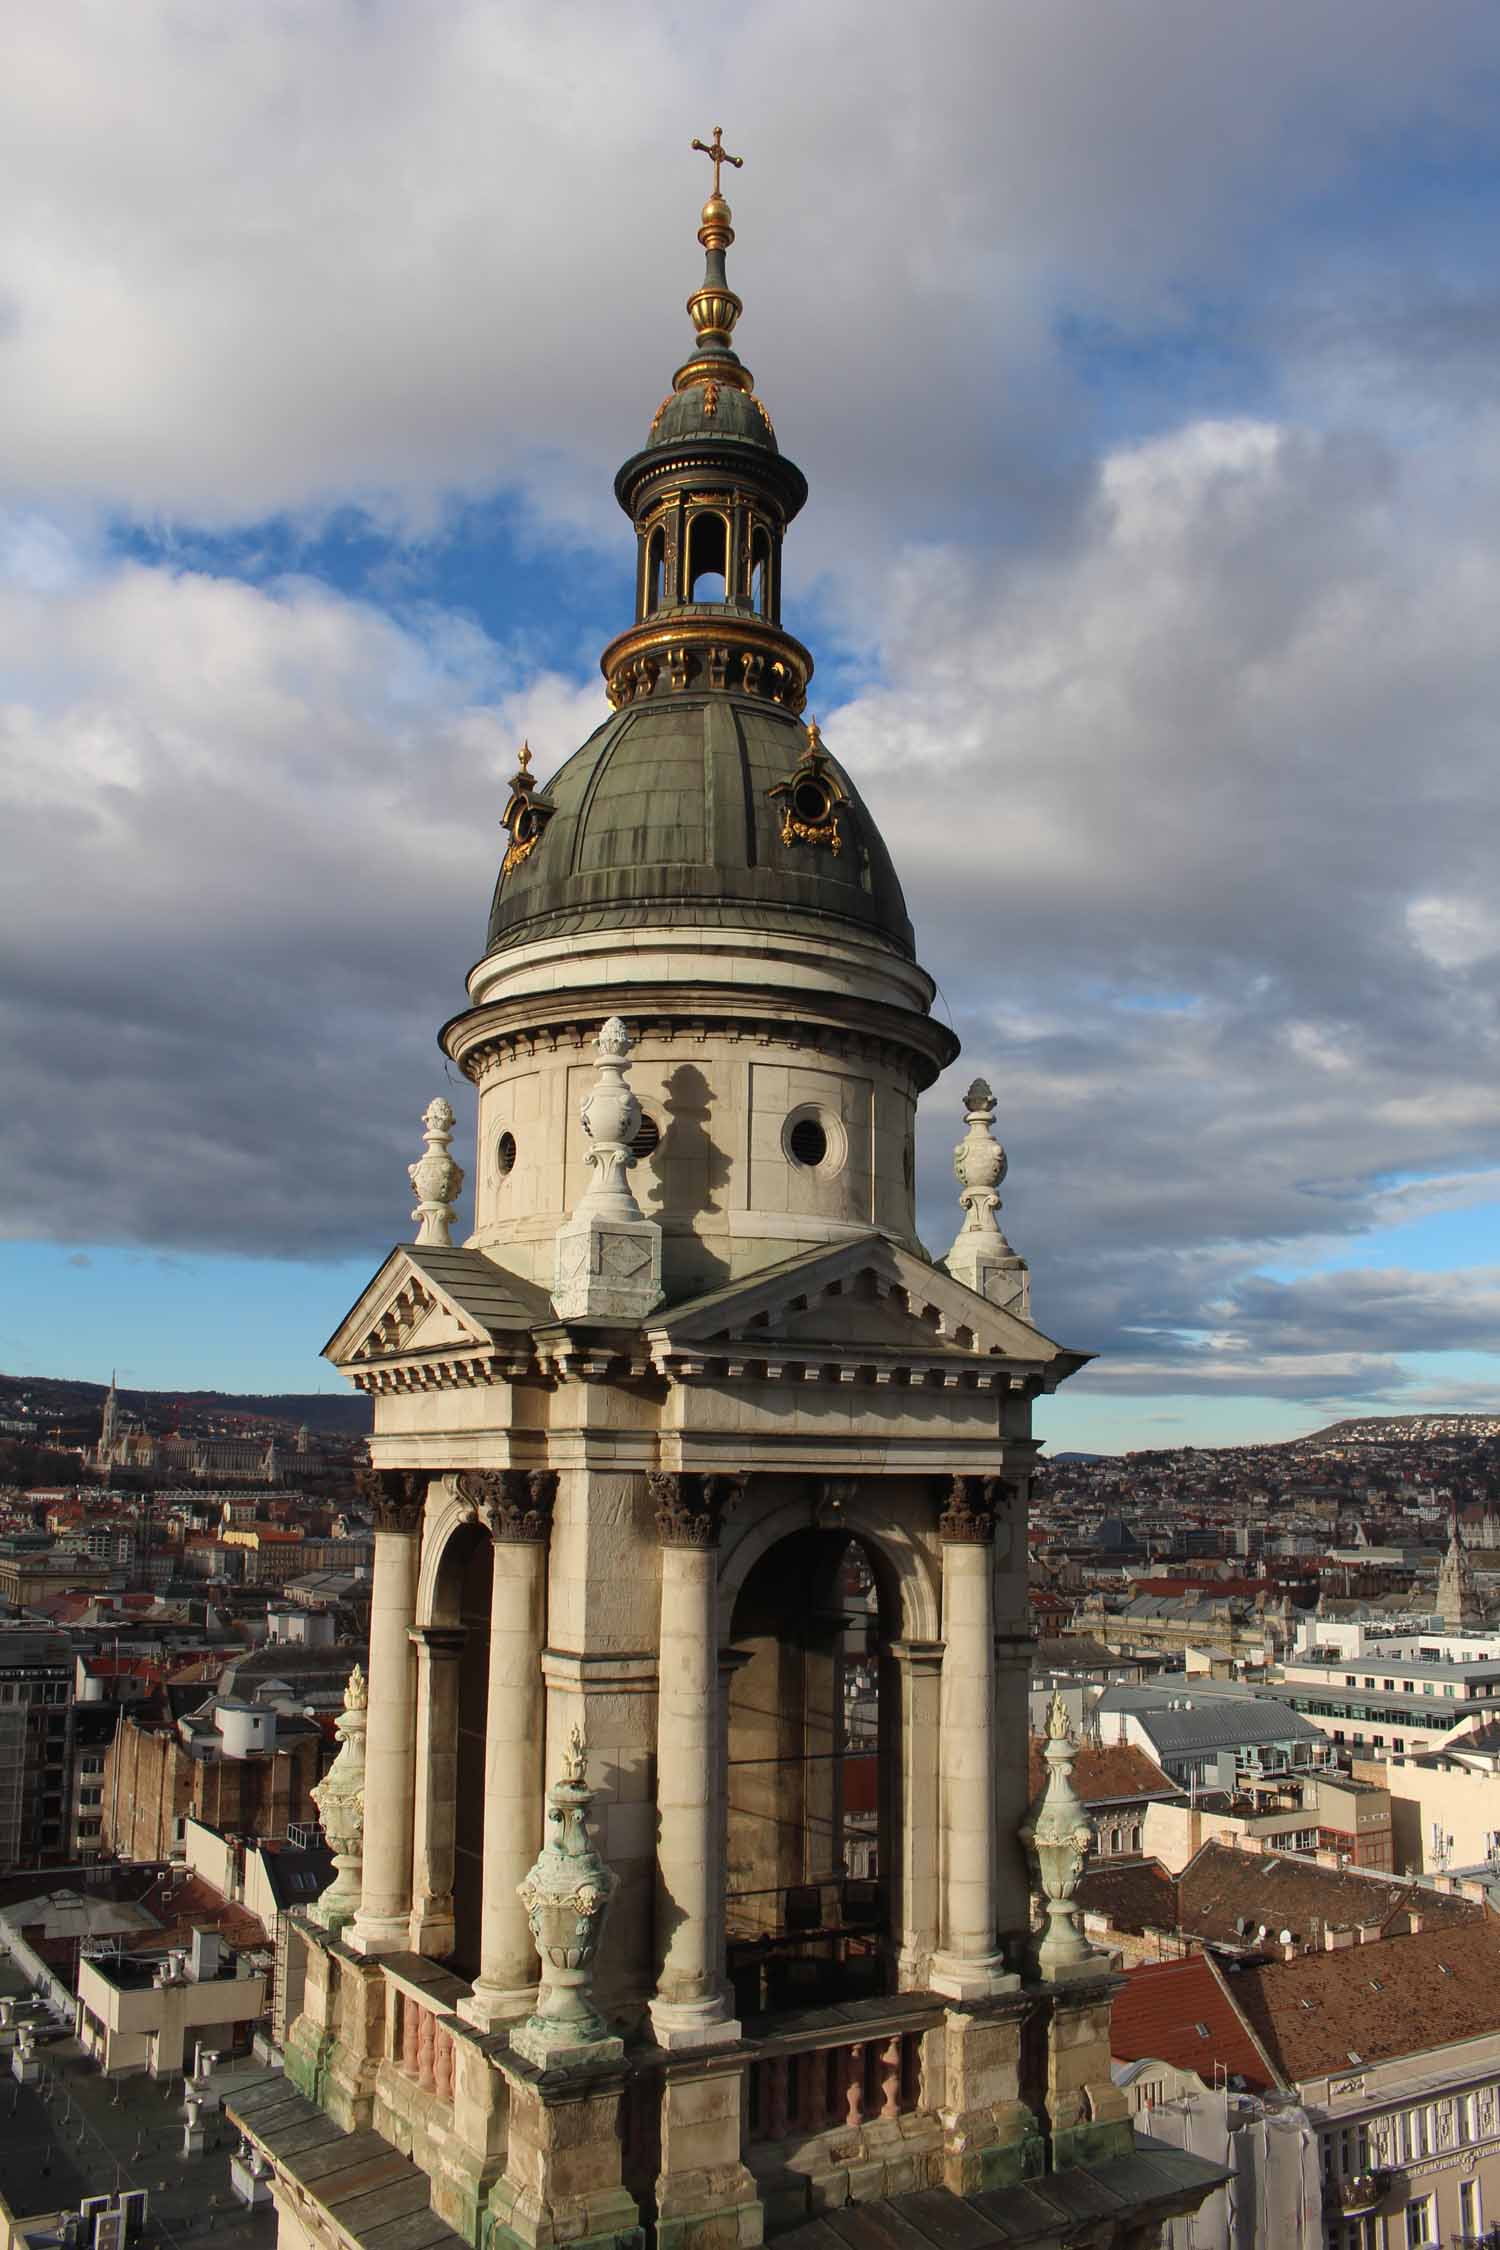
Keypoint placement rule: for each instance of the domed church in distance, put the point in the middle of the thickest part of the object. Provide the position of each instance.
(694, 1901)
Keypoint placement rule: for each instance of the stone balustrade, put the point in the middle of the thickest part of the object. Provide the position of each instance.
(823, 2089)
(424, 2047)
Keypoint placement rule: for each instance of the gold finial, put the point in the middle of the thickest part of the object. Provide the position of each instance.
(814, 738)
(718, 154)
(524, 757)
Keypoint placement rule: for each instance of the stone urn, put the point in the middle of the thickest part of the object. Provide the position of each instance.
(436, 1176)
(611, 1117)
(566, 1896)
(979, 1161)
(1058, 1833)
(340, 1799)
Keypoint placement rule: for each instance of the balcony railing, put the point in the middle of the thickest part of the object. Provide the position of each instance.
(1361, 2191)
(426, 2055)
(846, 2086)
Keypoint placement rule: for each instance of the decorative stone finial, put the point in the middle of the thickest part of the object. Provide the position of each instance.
(1059, 1833)
(566, 1896)
(981, 1257)
(435, 1176)
(340, 1799)
(609, 1252)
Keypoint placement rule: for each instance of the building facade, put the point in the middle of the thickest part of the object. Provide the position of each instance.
(625, 1435)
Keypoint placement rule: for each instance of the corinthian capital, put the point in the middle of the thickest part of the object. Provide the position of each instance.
(514, 1503)
(968, 1518)
(397, 1496)
(690, 1509)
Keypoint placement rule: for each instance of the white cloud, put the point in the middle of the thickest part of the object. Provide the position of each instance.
(263, 258)
(1456, 933)
(250, 838)
(1185, 752)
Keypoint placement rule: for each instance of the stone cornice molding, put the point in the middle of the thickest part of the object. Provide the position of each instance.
(397, 1496)
(849, 1029)
(515, 1504)
(471, 1371)
(690, 1509)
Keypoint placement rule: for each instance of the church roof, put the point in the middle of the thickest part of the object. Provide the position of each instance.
(667, 813)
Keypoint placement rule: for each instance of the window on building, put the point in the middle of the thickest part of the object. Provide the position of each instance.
(1470, 2208)
(1419, 2223)
(708, 557)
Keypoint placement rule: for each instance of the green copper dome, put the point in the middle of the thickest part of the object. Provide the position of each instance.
(712, 410)
(683, 809)
(703, 800)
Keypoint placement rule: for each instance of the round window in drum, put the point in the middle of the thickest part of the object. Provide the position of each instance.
(807, 1143)
(505, 1155)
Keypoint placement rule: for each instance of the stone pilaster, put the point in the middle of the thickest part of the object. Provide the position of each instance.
(917, 1892)
(438, 1650)
(969, 1964)
(383, 1922)
(517, 1506)
(691, 2007)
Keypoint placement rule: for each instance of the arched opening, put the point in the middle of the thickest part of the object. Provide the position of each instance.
(656, 545)
(708, 557)
(760, 571)
(813, 1759)
(461, 1598)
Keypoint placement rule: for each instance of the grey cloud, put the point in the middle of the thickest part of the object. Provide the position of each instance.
(377, 255)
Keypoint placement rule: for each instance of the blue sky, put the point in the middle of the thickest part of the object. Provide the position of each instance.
(1140, 362)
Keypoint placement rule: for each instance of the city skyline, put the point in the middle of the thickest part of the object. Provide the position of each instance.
(1161, 639)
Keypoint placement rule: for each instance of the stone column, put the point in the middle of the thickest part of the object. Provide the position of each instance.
(691, 2007)
(517, 1506)
(438, 1649)
(969, 1965)
(383, 1922)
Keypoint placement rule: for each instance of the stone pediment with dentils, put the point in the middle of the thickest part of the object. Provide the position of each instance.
(436, 1317)
(865, 1311)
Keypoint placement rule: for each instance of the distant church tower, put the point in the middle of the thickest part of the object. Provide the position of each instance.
(109, 1425)
(1458, 1601)
(625, 1435)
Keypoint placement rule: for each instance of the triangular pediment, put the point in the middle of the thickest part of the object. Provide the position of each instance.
(431, 1299)
(869, 1300)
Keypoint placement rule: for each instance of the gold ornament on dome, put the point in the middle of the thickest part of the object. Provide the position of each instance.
(522, 816)
(811, 798)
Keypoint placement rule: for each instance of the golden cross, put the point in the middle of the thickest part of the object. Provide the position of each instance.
(718, 154)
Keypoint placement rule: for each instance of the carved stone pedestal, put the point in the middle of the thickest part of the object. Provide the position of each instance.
(562, 2181)
(1088, 2114)
(991, 2138)
(706, 2199)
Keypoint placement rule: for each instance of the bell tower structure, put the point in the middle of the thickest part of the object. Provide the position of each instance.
(699, 1615)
